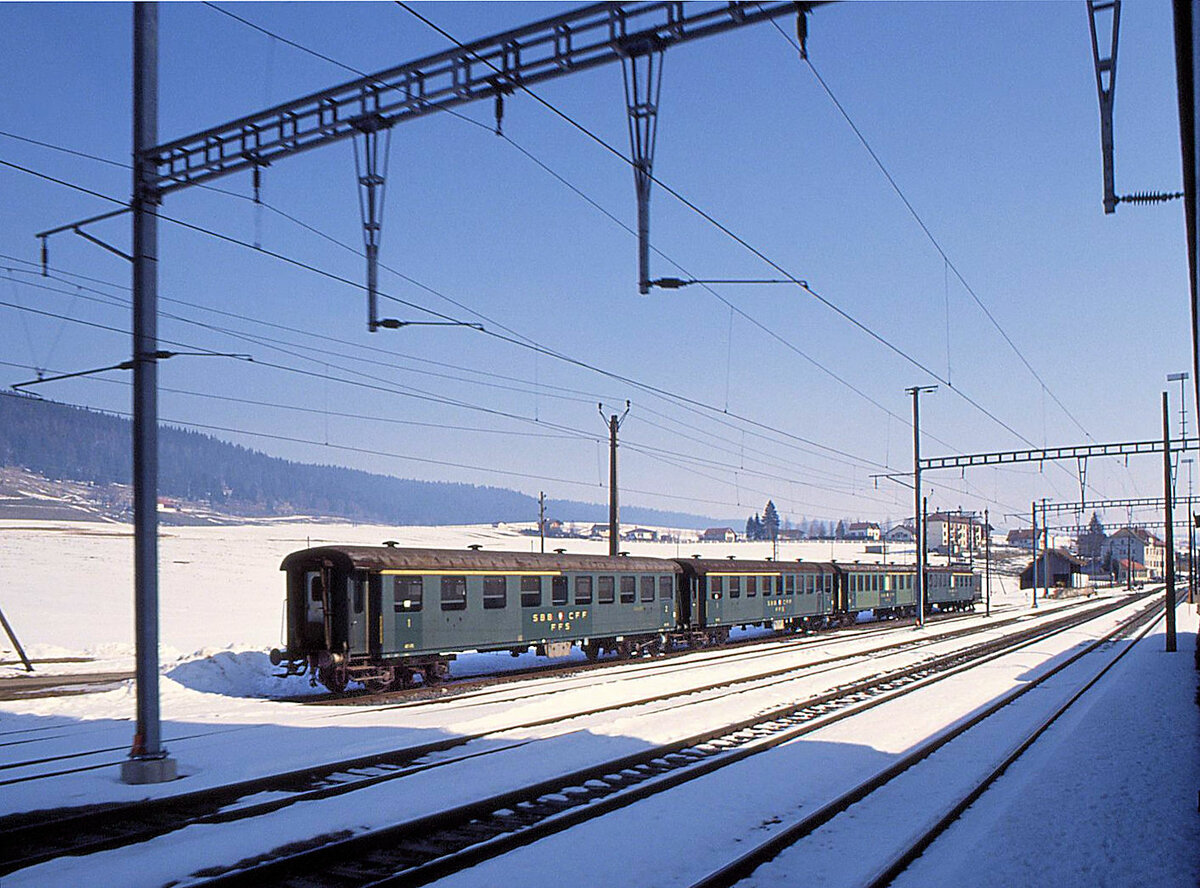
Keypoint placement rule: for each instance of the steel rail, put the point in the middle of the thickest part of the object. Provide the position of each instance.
(436, 845)
(100, 827)
(107, 826)
(747, 863)
(902, 861)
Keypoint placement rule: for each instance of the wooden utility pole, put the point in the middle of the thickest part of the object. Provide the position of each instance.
(614, 520)
(542, 519)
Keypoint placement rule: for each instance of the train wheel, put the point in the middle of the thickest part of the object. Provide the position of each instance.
(333, 678)
(380, 685)
(436, 673)
(624, 650)
(591, 651)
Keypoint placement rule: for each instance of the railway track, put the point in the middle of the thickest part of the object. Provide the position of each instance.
(477, 697)
(42, 836)
(434, 846)
(854, 803)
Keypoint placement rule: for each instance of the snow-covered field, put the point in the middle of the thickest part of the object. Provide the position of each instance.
(68, 589)
(67, 592)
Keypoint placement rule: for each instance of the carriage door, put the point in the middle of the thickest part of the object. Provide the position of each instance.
(687, 600)
(375, 616)
(314, 607)
(356, 630)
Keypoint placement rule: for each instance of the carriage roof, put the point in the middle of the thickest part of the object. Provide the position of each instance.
(397, 558)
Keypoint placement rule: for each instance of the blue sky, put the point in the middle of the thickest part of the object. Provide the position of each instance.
(985, 114)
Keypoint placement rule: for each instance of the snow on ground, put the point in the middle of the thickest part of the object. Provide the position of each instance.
(723, 814)
(240, 736)
(68, 592)
(1107, 798)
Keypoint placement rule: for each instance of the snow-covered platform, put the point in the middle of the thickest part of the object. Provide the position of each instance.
(1107, 797)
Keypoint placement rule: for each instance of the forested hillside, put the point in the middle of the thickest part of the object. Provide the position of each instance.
(63, 442)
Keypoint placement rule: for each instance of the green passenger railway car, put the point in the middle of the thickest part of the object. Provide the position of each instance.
(384, 616)
(717, 595)
(388, 616)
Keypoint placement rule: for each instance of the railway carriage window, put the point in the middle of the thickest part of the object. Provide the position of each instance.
(407, 594)
(558, 590)
(495, 593)
(357, 586)
(628, 590)
(716, 585)
(666, 588)
(647, 588)
(604, 590)
(779, 585)
(454, 593)
(531, 591)
(583, 590)
(751, 586)
(316, 587)
(735, 587)
(789, 584)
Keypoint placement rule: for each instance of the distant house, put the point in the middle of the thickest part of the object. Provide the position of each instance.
(953, 533)
(791, 534)
(863, 530)
(641, 535)
(1140, 574)
(1022, 538)
(1063, 569)
(553, 528)
(1138, 545)
(719, 535)
(901, 533)
(598, 532)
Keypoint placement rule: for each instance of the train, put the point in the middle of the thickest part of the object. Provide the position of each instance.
(391, 617)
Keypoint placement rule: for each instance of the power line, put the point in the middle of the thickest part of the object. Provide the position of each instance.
(405, 390)
(516, 339)
(524, 344)
(828, 303)
(533, 346)
(269, 343)
(389, 454)
(925, 228)
(338, 278)
(528, 154)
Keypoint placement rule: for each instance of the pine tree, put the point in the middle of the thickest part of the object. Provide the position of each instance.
(770, 521)
(840, 532)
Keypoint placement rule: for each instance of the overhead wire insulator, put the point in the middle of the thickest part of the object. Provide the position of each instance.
(1149, 197)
